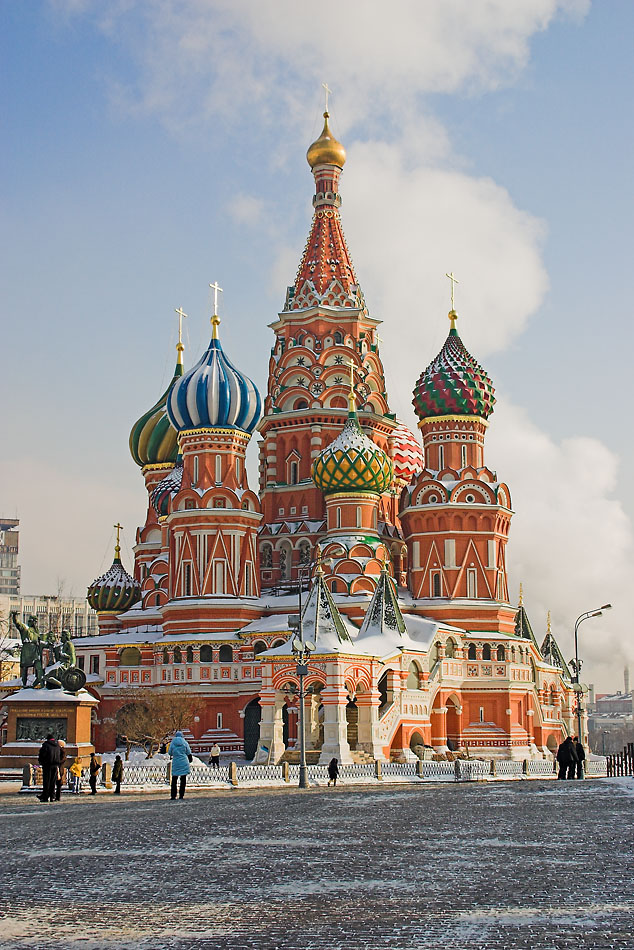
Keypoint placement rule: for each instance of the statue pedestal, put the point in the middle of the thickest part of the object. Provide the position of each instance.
(33, 713)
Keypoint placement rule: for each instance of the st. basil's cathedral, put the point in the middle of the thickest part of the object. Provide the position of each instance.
(394, 548)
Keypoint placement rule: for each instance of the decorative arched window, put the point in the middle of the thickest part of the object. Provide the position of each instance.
(435, 584)
(279, 643)
(304, 552)
(293, 473)
(166, 656)
(178, 655)
(225, 653)
(413, 677)
(190, 654)
(472, 651)
(450, 648)
(266, 556)
(259, 646)
(206, 653)
(486, 651)
(338, 338)
(130, 656)
(501, 654)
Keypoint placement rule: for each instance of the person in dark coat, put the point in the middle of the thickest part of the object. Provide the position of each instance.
(581, 757)
(94, 768)
(117, 774)
(61, 770)
(333, 771)
(567, 758)
(181, 755)
(49, 758)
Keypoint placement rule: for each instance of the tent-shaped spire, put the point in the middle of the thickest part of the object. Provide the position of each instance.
(551, 652)
(383, 615)
(321, 621)
(523, 626)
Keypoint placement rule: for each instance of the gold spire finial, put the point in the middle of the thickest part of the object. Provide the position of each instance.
(521, 598)
(453, 316)
(352, 404)
(179, 345)
(326, 150)
(318, 559)
(548, 622)
(215, 320)
(117, 547)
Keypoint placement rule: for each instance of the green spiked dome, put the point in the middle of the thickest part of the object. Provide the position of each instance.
(153, 440)
(353, 462)
(116, 590)
(454, 384)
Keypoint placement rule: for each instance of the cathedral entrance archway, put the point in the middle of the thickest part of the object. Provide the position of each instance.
(552, 743)
(252, 716)
(417, 744)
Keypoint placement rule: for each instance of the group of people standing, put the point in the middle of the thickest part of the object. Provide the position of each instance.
(52, 758)
(571, 756)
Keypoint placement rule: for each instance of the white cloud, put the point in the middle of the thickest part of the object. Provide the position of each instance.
(199, 59)
(571, 544)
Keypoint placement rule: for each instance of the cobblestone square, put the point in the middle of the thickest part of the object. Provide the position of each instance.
(509, 865)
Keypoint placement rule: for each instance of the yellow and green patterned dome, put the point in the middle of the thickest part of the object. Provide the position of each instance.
(353, 462)
(153, 439)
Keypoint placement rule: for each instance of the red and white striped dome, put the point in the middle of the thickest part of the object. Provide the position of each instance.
(408, 454)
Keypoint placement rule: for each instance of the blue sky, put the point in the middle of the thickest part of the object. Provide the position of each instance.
(151, 149)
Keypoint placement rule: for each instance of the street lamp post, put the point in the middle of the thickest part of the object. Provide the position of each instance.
(576, 663)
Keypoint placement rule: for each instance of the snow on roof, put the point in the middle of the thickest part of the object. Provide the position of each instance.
(43, 695)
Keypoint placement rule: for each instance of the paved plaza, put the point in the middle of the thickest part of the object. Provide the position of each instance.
(510, 865)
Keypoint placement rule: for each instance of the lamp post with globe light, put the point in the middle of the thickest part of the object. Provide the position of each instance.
(577, 663)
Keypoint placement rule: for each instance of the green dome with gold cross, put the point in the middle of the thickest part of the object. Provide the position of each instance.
(352, 462)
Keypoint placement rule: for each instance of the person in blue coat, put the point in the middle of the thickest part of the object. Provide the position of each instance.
(181, 756)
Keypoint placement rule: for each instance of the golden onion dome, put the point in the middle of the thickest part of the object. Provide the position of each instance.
(326, 150)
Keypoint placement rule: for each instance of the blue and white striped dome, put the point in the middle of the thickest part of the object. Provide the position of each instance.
(214, 394)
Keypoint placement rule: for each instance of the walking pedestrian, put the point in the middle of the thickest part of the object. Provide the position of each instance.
(75, 775)
(333, 771)
(181, 755)
(214, 756)
(117, 774)
(581, 757)
(61, 770)
(49, 757)
(567, 758)
(93, 773)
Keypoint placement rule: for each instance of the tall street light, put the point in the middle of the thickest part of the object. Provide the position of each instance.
(576, 663)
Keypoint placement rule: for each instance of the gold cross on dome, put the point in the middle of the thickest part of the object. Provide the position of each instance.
(328, 92)
(453, 280)
(179, 346)
(117, 548)
(215, 320)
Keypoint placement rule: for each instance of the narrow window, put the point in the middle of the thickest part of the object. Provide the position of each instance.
(481, 713)
(471, 653)
(358, 517)
(247, 580)
(472, 583)
(441, 457)
(220, 578)
(486, 651)
(187, 580)
(294, 477)
(190, 655)
(94, 664)
(218, 720)
(463, 455)
(338, 517)
(500, 655)
(166, 656)
(435, 581)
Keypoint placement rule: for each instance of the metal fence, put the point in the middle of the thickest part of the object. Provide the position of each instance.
(139, 775)
(508, 768)
(545, 767)
(437, 771)
(621, 763)
(259, 773)
(597, 767)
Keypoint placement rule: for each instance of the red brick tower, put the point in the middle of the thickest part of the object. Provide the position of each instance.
(456, 515)
(325, 324)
